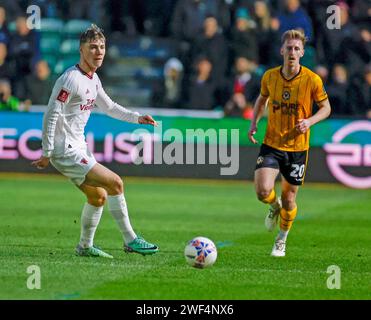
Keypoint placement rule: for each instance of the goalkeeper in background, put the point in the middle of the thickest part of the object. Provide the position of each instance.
(288, 91)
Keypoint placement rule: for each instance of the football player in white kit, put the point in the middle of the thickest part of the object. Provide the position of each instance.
(75, 94)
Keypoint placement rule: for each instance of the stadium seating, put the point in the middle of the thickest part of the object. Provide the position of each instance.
(49, 44)
(65, 63)
(134, 65)
(59, 42)
(69, 49)
(129, 96)
(51, 26)
(73, 28)
(147, 47)
(12, 26)
(309, 59)
(51, 59)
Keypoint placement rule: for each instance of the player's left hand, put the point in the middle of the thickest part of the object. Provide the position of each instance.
(147, 119)
(252, 131)
(303, 125)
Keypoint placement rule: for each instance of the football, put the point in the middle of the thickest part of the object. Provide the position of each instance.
(200, 252)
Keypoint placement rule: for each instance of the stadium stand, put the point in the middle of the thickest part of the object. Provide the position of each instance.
(137, 52)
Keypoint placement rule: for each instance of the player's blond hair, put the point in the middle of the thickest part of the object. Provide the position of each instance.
(92, 33)
(294, 35)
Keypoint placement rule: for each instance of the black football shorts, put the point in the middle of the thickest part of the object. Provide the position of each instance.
(292, 165)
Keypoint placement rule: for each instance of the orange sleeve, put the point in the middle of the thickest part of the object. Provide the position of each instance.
(319, 92)
(264, 85)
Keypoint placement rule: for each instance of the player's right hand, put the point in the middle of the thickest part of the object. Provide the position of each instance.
(251, 133)
(147, 119)
(42, 163)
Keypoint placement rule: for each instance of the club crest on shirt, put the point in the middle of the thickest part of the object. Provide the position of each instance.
(286, 95)
(63, 95)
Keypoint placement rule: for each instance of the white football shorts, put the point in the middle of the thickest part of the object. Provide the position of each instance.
(75, 164)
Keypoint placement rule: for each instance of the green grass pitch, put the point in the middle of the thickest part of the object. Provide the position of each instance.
(40, 225)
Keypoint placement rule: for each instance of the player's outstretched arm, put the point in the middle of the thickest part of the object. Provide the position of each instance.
(324, 111)
(115, 110)
(258, 113)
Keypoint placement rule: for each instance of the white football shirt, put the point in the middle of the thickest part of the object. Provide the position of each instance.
(74, 95)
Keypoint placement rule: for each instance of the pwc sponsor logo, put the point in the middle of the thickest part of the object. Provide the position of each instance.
(341, 155)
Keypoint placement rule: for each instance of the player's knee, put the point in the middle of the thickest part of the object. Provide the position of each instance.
(263, 194)
(98, 202)
(98, 199)
(117, 185)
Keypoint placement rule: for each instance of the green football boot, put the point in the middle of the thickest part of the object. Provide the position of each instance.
(139, 245)
(93, 251)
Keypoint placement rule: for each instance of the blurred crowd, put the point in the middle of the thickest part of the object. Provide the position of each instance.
(223, 48)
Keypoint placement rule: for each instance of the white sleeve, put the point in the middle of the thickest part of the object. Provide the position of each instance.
(61, 95)
(113, 109)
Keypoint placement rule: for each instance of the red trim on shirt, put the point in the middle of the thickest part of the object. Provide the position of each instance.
(83, 72)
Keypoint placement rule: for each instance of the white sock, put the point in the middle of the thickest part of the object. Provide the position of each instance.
(282, 235)
(89, 221)
(275, 205)
(117, 206)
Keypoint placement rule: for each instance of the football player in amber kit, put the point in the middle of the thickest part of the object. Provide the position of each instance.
(288, 91)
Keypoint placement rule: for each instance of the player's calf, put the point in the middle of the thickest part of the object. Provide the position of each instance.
(275, 206)
(272, 217)
(287, 218)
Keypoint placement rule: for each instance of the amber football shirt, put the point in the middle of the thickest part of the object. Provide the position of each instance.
(290, 100)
